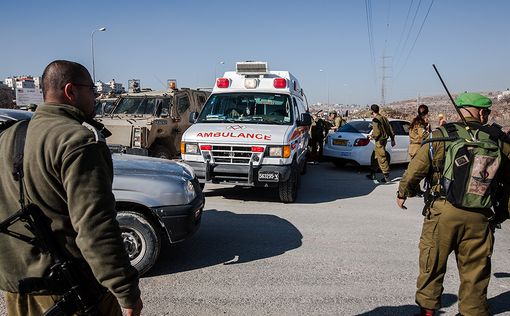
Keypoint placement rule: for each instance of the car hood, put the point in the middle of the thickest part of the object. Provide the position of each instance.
(238, 133)
(150, 181)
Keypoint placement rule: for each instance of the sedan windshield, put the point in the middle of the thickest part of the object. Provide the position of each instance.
(262, 108)
(357, 127)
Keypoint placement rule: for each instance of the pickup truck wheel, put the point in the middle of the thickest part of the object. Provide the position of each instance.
(161, 152)
(288, 189)
(141, 240)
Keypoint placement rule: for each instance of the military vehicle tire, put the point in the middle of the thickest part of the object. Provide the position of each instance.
(288, 189)
(159, 151)
(141, 240)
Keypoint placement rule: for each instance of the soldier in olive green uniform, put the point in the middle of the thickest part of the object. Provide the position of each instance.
(336, 121)
(68, 173)
(418, 130)
(381, 131)
(448, 229)
(317, 140)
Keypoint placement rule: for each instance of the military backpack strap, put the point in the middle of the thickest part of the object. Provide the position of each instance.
(20, 136)
(19, 148)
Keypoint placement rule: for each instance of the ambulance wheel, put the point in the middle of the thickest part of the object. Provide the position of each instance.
(141, 240)
(288, 189)
(161, 152)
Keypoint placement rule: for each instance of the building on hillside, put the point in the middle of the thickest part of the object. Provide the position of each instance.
(21, 82)
(111, 87)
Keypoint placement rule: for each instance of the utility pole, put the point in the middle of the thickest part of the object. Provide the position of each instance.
(384, 77)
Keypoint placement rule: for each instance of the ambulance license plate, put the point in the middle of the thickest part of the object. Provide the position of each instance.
(269, 176)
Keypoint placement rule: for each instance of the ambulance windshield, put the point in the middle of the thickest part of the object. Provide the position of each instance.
(259, 108)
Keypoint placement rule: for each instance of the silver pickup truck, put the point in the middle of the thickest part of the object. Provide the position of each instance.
(156, 199)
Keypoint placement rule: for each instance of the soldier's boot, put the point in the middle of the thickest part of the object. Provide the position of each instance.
(385, 178)
(426, 312)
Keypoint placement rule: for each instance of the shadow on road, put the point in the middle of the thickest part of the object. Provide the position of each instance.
(500, 304)
(447, 300)
(229, 238)
(322, 183)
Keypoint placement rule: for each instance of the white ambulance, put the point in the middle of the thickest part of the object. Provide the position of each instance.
(253, 130)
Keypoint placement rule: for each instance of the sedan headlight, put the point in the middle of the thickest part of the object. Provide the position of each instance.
(189, 192)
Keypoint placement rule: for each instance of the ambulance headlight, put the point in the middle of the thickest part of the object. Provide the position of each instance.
(279, 151)
(191, 148)
(251, 83)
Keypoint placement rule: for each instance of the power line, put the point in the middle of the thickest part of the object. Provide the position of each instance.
(368, 11)
(417, 36)
(404, 28)
(409, 32)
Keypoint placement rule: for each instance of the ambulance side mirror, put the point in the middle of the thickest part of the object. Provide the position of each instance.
(306, 120)
(193, 117)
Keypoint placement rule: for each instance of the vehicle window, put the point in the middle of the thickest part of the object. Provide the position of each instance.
(266, 108)
(397, 128)
(296, 108)
(136, 106)
(405, 127)
(356, 127)
(182, 104)
(165, 107)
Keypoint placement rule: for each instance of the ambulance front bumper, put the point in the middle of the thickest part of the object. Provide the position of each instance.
(263, 175)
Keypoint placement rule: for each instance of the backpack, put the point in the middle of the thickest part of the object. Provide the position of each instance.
(471, 163)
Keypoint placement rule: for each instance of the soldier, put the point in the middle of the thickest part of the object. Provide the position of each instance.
(419, 130)
(69, 176)
(447, 228)
(442, 120)
(381, 131)
(317, 136)
(336, 121)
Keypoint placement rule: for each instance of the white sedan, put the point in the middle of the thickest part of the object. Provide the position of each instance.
(350, 143)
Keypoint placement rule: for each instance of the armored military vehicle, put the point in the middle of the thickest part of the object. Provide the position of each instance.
(145, 122)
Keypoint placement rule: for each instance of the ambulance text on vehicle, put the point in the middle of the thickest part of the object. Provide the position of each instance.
(253, 130)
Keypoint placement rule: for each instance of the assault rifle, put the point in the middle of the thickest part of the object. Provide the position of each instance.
(66, 277)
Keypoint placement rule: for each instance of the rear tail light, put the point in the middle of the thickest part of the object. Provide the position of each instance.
(361, 142)
(280, 83)
(222, 82)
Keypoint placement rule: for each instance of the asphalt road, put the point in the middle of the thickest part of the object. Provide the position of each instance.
(344, 248)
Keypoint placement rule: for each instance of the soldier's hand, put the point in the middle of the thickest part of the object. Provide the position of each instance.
(400, 203)
(135, 311)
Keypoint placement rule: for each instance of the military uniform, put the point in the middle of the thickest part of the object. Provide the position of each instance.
(317, 133)
(68, 174)
(417, 134)
(338, 122)
(381, 131)
(448, 229)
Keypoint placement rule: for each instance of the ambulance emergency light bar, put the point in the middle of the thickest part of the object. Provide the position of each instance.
(252, 83)
(252, 68)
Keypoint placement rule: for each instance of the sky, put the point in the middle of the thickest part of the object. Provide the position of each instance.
(340, 50)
